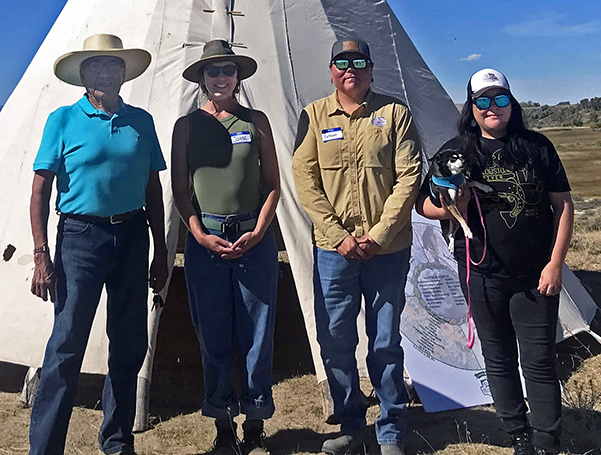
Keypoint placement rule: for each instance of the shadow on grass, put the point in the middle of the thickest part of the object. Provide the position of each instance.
(177, 378)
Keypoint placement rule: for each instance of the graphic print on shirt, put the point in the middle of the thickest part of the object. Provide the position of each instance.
(516, 192)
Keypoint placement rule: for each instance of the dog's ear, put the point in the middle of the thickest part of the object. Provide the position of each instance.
(435, 163)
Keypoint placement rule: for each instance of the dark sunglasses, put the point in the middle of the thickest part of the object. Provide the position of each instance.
(358, 63)
(483, 102)
(213, 71)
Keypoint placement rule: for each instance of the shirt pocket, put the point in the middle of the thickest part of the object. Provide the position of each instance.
(330, 154)
(379, 148)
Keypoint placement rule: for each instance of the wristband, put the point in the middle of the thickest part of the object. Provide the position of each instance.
(41, 249)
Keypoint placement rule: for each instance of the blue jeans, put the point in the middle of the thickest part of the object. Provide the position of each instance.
(88, 257)
(233, 304)
(509, 313)
(339, 284)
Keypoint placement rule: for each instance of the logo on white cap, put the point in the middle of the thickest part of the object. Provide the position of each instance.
(490, 77)
(486, 79)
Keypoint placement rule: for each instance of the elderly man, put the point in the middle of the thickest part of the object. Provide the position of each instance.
(106, 157)
(356, 168)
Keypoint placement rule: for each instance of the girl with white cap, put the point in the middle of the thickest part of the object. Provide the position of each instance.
(522, 230)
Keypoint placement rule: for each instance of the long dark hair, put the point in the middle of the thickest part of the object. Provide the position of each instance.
(516, 153)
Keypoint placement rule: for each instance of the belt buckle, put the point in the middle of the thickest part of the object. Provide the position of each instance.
(113, 219)
(227, 225)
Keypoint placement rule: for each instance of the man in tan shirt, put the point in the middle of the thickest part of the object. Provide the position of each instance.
(356, 167)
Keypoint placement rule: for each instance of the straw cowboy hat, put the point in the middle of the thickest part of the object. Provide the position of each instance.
(220, 51)
(67, 66)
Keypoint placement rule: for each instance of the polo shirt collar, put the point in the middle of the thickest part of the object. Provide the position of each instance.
(90, 110)
(334, 107)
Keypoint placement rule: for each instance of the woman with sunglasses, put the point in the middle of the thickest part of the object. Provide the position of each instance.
(231, 257)
(523, 233)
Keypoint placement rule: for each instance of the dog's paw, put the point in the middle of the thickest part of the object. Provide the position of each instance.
(452, 245)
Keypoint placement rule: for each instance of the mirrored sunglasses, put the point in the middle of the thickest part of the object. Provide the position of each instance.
(358, 63)
(483, 102)
(214, 71)
(113, 66)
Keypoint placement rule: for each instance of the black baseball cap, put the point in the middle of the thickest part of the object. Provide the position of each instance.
(350, 45)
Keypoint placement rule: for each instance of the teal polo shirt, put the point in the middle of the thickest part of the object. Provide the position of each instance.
(101, 162)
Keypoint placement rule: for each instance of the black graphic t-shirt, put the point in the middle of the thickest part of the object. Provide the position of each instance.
(517, 213)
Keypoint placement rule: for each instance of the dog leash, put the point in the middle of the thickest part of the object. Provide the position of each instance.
(469, 262)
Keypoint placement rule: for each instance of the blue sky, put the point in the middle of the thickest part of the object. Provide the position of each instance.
(549, 50)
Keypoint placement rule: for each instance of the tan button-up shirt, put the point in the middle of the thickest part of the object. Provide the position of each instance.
(358, 173)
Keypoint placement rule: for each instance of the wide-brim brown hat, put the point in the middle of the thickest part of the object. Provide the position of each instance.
(66, 67)
(218, 50)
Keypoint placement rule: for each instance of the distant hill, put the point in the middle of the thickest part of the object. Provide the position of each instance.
(585, 113)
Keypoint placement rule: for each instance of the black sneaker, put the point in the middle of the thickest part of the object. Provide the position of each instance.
(522, 444)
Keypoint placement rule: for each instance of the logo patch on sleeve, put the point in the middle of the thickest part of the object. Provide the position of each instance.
(331, 134)
(242, 137)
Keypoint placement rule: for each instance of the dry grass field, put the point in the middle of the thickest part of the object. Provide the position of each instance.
(298, 425)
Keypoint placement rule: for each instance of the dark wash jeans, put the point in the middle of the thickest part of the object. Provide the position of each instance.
(503, 309)
(88, 257)
(233, 306)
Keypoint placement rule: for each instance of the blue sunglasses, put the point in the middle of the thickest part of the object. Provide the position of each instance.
(483, 102)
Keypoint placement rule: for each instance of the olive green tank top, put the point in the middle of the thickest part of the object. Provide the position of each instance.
(223, 155)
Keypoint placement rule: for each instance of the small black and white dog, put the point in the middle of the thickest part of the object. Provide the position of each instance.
(448, 173)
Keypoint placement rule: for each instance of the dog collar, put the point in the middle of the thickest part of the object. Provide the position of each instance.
(453, 182)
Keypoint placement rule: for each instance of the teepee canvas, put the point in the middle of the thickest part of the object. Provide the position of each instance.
(290, 39)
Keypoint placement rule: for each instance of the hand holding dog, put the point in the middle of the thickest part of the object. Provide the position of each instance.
(550, 280)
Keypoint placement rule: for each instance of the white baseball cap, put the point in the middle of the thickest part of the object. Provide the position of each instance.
(486, 79)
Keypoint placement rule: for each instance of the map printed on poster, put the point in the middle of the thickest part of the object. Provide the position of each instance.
(446, 374)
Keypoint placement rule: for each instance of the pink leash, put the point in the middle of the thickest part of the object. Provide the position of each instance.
(470, 333)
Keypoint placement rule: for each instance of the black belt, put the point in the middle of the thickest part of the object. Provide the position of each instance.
(229, 227)
(113, 219)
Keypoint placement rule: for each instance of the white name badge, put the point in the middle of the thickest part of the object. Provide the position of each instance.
(243, 137)
(331, 134)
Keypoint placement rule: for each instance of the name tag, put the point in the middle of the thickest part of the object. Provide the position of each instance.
(331, 134)
(243, 137)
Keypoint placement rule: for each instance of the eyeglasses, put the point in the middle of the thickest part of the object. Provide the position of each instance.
(113, 66)
(358, 63)
(483, 102)
(214, 71)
